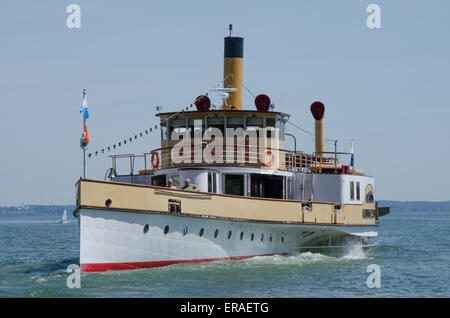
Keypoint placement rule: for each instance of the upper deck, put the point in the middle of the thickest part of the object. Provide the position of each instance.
(224, 137)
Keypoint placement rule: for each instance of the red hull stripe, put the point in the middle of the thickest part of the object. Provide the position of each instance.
(101, 267)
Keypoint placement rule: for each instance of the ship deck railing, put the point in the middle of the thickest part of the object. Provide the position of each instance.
(293, 161)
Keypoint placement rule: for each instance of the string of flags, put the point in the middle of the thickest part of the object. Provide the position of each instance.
(124, 142)
(85, 113)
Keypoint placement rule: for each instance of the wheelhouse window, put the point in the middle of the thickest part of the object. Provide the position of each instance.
(270, 126)
(216, 122)
(358, 192)
(352, 190)
(254, 123)
(163, 130)
(195, 130)
(235, 122)
(280, 126)
(234, 184)
(177, 126)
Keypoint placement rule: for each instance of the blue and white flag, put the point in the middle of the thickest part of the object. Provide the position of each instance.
(351, 156)
(84, 109)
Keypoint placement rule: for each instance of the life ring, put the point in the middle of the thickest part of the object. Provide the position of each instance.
(155, 155)
(264, 158)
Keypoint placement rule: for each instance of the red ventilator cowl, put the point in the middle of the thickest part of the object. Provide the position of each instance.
(202, 102)
(317, 110)
(262, 103)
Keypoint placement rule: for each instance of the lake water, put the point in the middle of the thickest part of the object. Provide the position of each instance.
(413, 255)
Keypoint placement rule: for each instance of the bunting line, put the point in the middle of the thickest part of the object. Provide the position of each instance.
(124, 142)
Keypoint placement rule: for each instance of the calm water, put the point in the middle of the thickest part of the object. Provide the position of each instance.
(413, 254)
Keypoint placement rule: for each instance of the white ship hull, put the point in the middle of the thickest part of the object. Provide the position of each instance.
(117, 240)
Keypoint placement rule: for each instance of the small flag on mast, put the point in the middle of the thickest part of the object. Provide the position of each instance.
(84, 111)
(351, 156)
(84, 108)
(86, 135)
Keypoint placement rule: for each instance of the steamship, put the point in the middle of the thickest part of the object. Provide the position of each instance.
(253, 198)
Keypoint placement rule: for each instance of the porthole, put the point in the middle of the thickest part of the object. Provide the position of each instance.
(202, 230)
(108, 202)
(185, 230)
(262, 237)
(252, 237)
(146, 227)
(229, 234)
(242, 235)
(166, 229)
(216, 233)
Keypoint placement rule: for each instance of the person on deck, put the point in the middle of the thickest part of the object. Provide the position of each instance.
(170, 184)
(189, 186)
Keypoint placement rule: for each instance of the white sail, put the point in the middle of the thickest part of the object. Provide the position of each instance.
(64, 217)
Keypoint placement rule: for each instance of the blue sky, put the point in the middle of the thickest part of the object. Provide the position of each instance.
(387, 88)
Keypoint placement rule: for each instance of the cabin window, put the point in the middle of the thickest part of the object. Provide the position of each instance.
(176, 180)
(177, 127)
(289, 182)
(159, 181)
(369, 194)
(195, 127)
(352, 190)
(235, 122)
(163, 129)
(266, 186)
(280, 126)
(270, 126)
(254, 123)
(358, 194)
(216, 122)
(234, 184)
(212, 182)
(369, 197)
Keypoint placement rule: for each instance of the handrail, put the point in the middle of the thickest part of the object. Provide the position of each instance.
(291, 161)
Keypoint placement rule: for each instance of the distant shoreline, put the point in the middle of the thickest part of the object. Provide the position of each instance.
(35, 210)
(396, 206)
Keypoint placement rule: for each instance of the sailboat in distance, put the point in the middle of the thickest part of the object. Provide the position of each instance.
(64, 217)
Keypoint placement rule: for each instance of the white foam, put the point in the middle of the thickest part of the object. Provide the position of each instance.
(355, 252)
